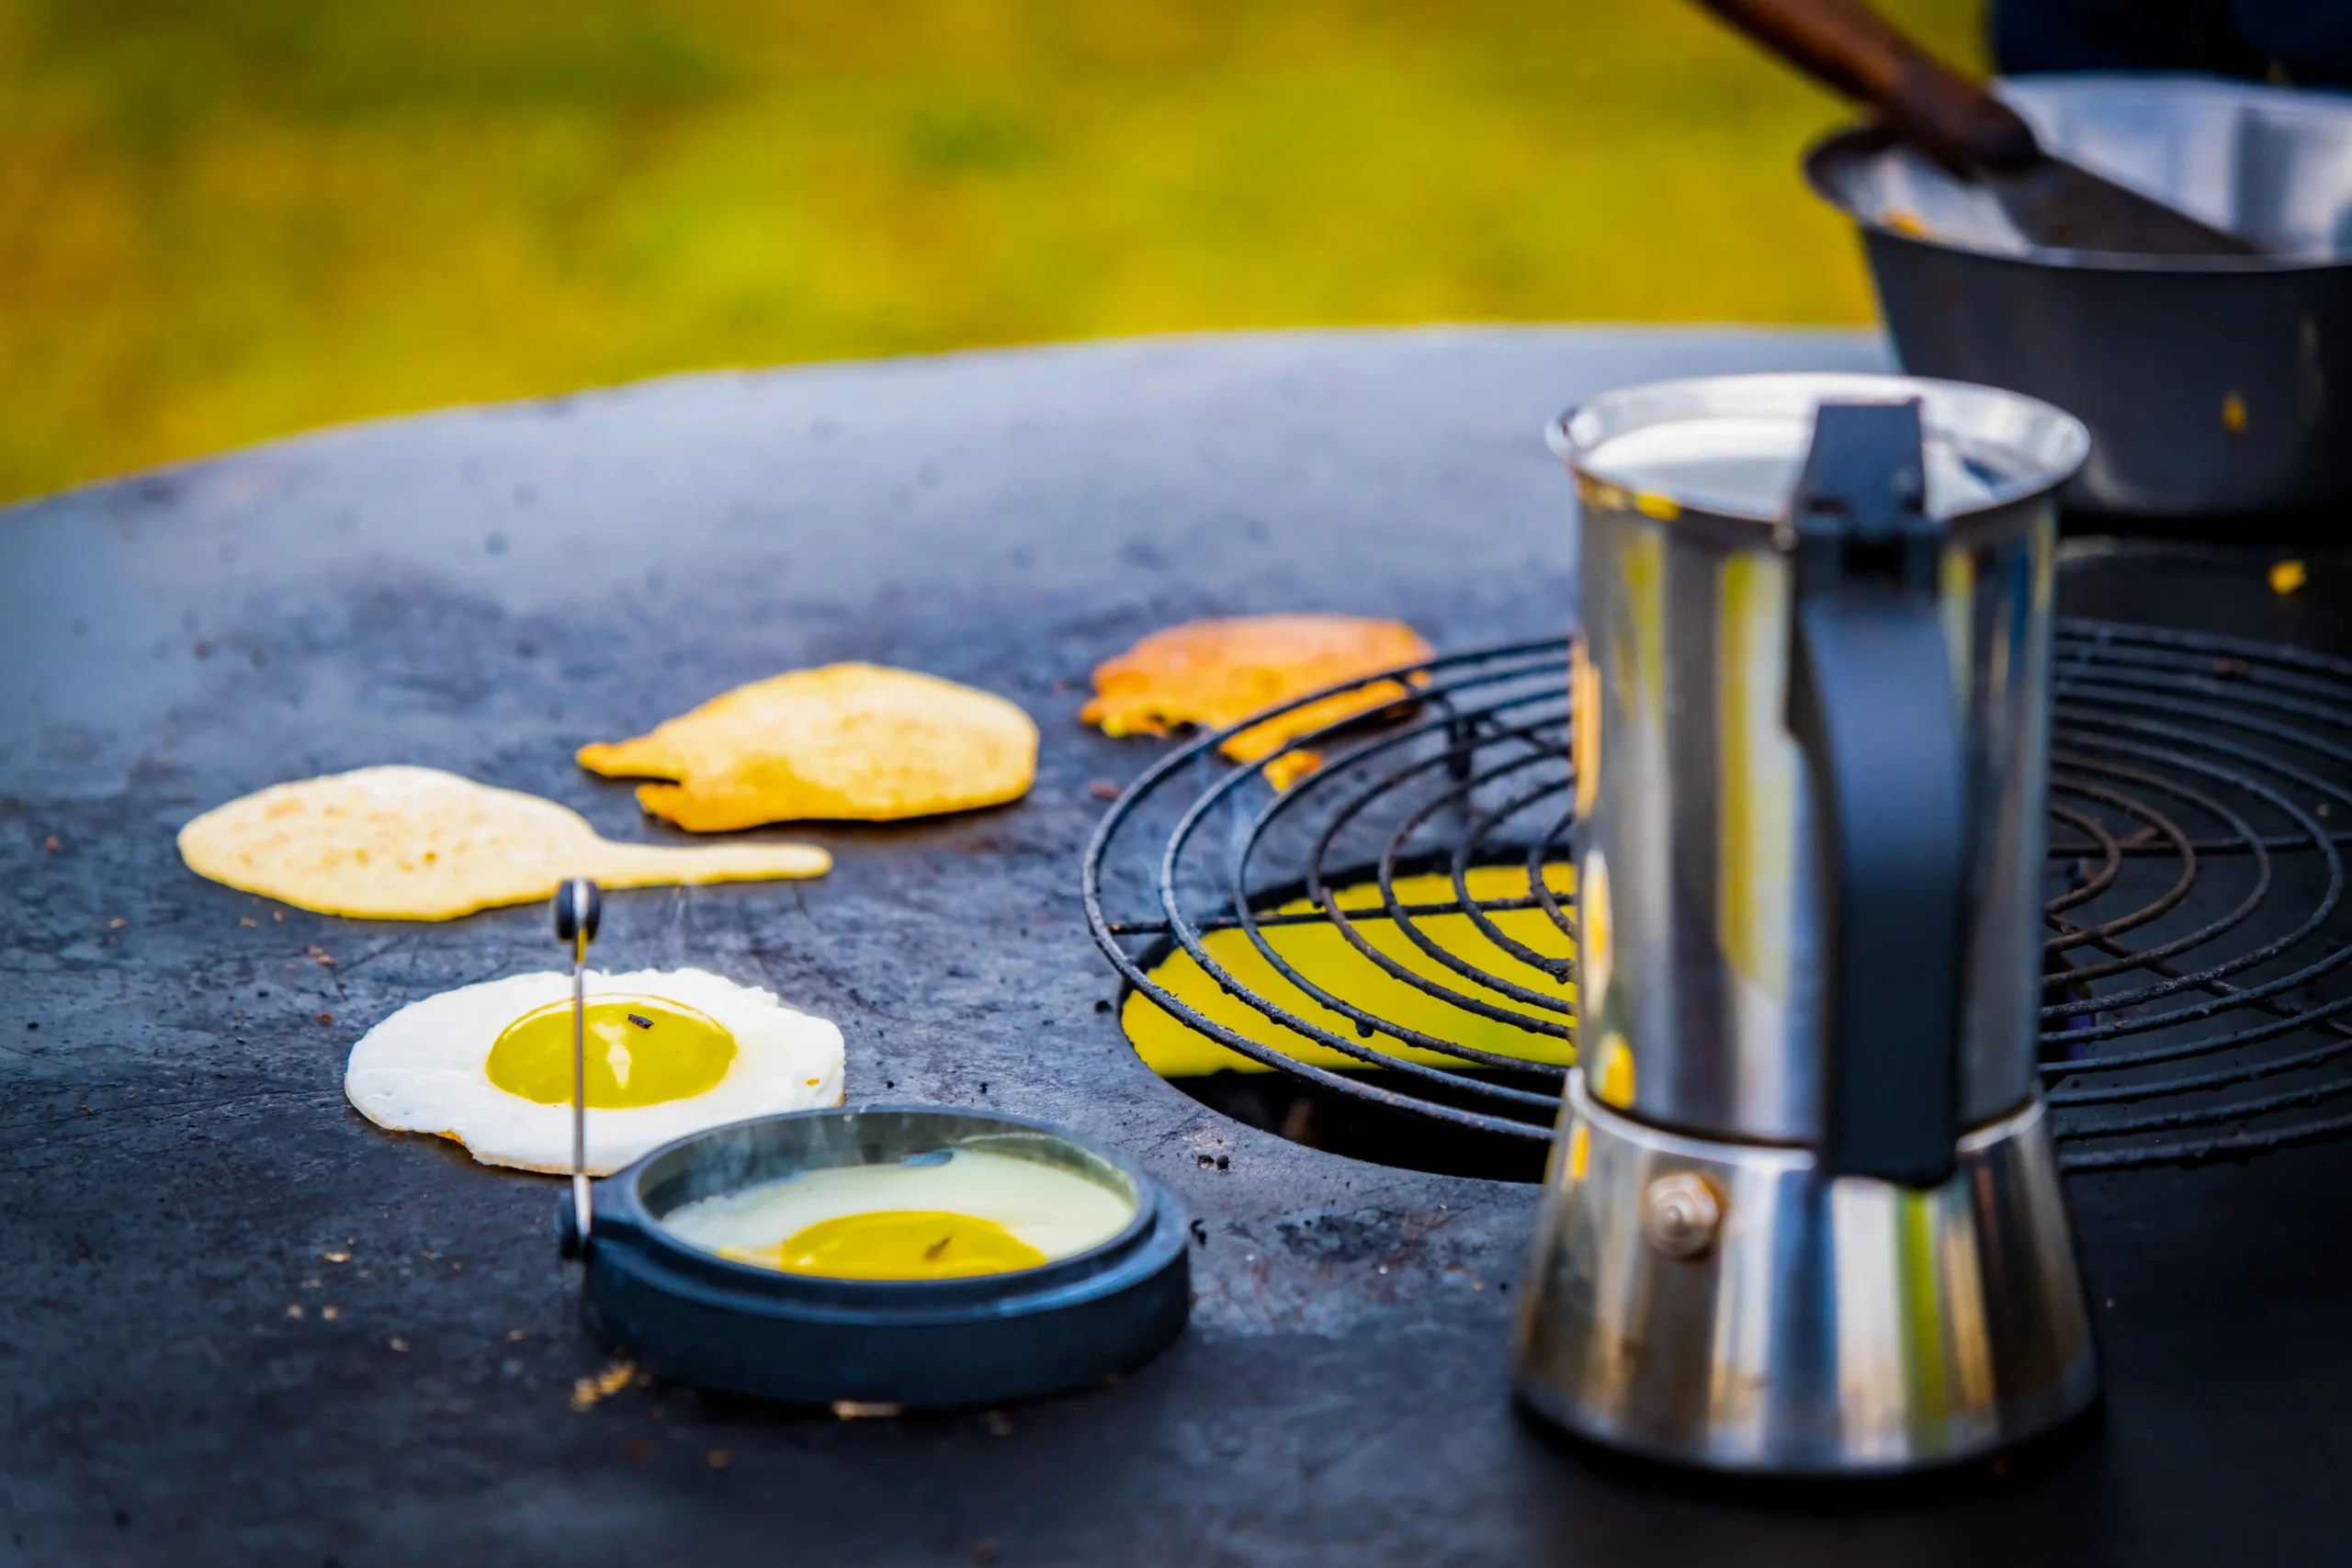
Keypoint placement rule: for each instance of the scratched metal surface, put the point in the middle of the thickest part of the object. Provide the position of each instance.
(484, 591)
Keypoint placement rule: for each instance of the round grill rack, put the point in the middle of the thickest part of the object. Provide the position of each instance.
(2197, 992)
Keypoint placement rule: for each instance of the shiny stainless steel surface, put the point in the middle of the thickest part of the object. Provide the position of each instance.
(1830, 1327)
(2210, 384)
(1700, 1004)
(1784, 1231)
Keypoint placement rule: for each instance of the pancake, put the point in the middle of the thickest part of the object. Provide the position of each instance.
(858, 742)
(1216, 673)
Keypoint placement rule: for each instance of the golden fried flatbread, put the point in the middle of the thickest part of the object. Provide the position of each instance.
(402, 843)
(851, 742)
(1218, 672)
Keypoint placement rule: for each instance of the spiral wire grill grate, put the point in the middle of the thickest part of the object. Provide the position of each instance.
(2197, 999)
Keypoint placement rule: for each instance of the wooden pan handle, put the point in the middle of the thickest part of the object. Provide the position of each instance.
(1848, 47)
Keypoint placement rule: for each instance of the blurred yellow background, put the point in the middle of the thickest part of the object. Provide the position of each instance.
(227, 219)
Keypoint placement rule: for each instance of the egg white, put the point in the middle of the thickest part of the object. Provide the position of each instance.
(425, 1070)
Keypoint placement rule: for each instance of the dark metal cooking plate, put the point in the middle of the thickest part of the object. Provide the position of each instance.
(485, 590)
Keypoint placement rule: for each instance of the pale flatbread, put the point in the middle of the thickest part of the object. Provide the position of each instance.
(404, 843)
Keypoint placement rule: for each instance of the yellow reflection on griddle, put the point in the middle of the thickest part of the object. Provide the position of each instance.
(1323, 954)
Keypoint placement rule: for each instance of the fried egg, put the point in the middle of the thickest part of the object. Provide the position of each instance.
(667, 1053)
(933, 1216)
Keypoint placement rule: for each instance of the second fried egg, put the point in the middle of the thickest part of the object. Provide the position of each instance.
(667, 1053)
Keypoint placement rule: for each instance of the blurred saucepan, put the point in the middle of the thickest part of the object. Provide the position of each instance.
(2212, 385)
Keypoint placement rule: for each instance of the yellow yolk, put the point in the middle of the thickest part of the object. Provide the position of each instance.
(898, 1243)
(638, 1051)
(935, 1214)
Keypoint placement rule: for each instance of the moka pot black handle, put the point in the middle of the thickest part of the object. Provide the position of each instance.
(1872, 705)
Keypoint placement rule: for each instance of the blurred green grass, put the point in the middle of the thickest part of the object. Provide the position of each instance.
(226, 219)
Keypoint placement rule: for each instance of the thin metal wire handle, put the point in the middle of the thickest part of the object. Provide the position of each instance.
(578, 904)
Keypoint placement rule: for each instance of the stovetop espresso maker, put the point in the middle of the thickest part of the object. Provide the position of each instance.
(1803, 1214)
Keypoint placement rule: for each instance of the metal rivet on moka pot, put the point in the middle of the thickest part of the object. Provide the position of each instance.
(1807, 1217)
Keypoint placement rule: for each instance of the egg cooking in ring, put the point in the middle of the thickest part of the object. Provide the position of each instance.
(668, 1052)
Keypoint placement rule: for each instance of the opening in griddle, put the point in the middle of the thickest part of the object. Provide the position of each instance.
(1347, 997)
(2197, 979)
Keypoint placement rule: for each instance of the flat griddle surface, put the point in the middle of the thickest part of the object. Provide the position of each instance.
(484, 591)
